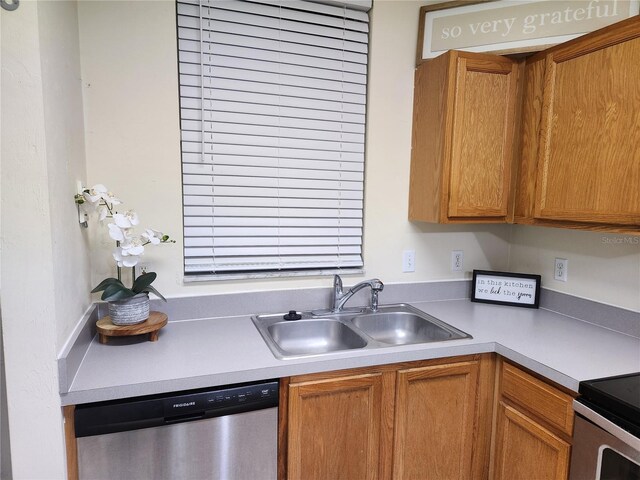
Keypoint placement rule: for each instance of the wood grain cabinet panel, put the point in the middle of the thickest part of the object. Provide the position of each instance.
(335, 428)
(543, 400)
(533, 428)
(463, 131)
(525, 450)
(589, 160)
(415, 420)
(435, 419)
(579, 162)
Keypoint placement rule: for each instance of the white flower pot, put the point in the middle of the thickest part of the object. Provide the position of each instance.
(130, 311)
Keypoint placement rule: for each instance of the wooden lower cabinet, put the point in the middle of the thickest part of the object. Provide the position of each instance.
(418, 420)
(533, 429)
(436, 416)
(335, 427)
(527, 450)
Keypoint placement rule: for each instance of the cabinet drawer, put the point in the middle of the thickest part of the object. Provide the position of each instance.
(548, 403)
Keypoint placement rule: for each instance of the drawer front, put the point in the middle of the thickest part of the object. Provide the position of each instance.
(548, 403)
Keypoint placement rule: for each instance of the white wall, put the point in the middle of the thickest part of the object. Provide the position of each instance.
(603, 267)
(129, 71)
(45, 268)
(64, 127)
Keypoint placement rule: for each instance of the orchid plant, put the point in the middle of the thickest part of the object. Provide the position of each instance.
(129, 245)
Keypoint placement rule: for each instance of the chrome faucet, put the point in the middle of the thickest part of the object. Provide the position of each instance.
(340, 297)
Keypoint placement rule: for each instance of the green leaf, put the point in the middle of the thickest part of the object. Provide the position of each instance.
(155, 292)
(105, 283)
(143, 281)
(116, 292)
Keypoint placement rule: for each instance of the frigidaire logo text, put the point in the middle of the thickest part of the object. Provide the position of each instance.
(186, 404)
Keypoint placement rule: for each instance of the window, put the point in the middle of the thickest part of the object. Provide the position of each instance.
(272, 107)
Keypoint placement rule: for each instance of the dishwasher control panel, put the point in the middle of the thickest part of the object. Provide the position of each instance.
(218, 401)
(166, 409)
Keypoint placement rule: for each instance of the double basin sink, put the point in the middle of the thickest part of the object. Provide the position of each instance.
(321, 332)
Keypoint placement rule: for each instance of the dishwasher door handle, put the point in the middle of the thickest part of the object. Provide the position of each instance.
(184, 418)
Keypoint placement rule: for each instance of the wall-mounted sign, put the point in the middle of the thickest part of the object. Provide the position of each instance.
(508, 26)
(505, 288)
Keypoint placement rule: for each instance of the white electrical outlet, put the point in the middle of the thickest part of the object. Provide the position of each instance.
(560, 271)
(143, 267)
(457, 260)
(409, 261)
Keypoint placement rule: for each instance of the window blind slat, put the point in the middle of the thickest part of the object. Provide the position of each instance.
(248, 120)
(202, 168)
(212, 107)
(271, 250)
(268, 241)
(202, 190)
(191, 75)
(272, 114)
(203, 216)
(282, 142)
(300, 11)
(215, 62)
(189, 29)
(207, 232)
(270, 131)
(282, 19)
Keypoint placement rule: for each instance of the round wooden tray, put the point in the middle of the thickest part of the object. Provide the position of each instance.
(152, 326)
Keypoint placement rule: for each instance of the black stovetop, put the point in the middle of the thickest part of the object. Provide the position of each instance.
(616, 398)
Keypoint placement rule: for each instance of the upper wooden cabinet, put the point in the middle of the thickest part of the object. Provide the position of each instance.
(462, 148)
(580, 133)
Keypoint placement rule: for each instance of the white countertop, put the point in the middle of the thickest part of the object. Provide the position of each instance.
(219, 351)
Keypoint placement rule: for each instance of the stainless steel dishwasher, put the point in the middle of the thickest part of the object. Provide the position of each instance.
(225, 433)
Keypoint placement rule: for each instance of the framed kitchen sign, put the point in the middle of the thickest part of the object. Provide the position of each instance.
(506, 288)
(508, 26)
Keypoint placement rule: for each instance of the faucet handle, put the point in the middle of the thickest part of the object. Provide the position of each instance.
(337, 284)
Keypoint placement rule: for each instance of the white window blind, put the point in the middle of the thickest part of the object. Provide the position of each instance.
(272, 107)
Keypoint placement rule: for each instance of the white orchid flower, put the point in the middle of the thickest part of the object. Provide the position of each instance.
(124, 260)
(99, 193)
(117, 233)
(102, 212)
(127, 219)
(152, 236)
(112, 199)
(95, 193)
(132, 248)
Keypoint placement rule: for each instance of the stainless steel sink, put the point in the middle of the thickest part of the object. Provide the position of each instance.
(312, 337)
(400, 328)
(322, 332)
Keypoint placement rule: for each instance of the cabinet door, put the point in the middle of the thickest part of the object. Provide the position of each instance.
(589, 155)
(526, 450)
(335, 428)
(462, 139)
(482, 136)
(436, 412)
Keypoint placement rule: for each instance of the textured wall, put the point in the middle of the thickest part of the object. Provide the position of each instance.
(45, 263)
